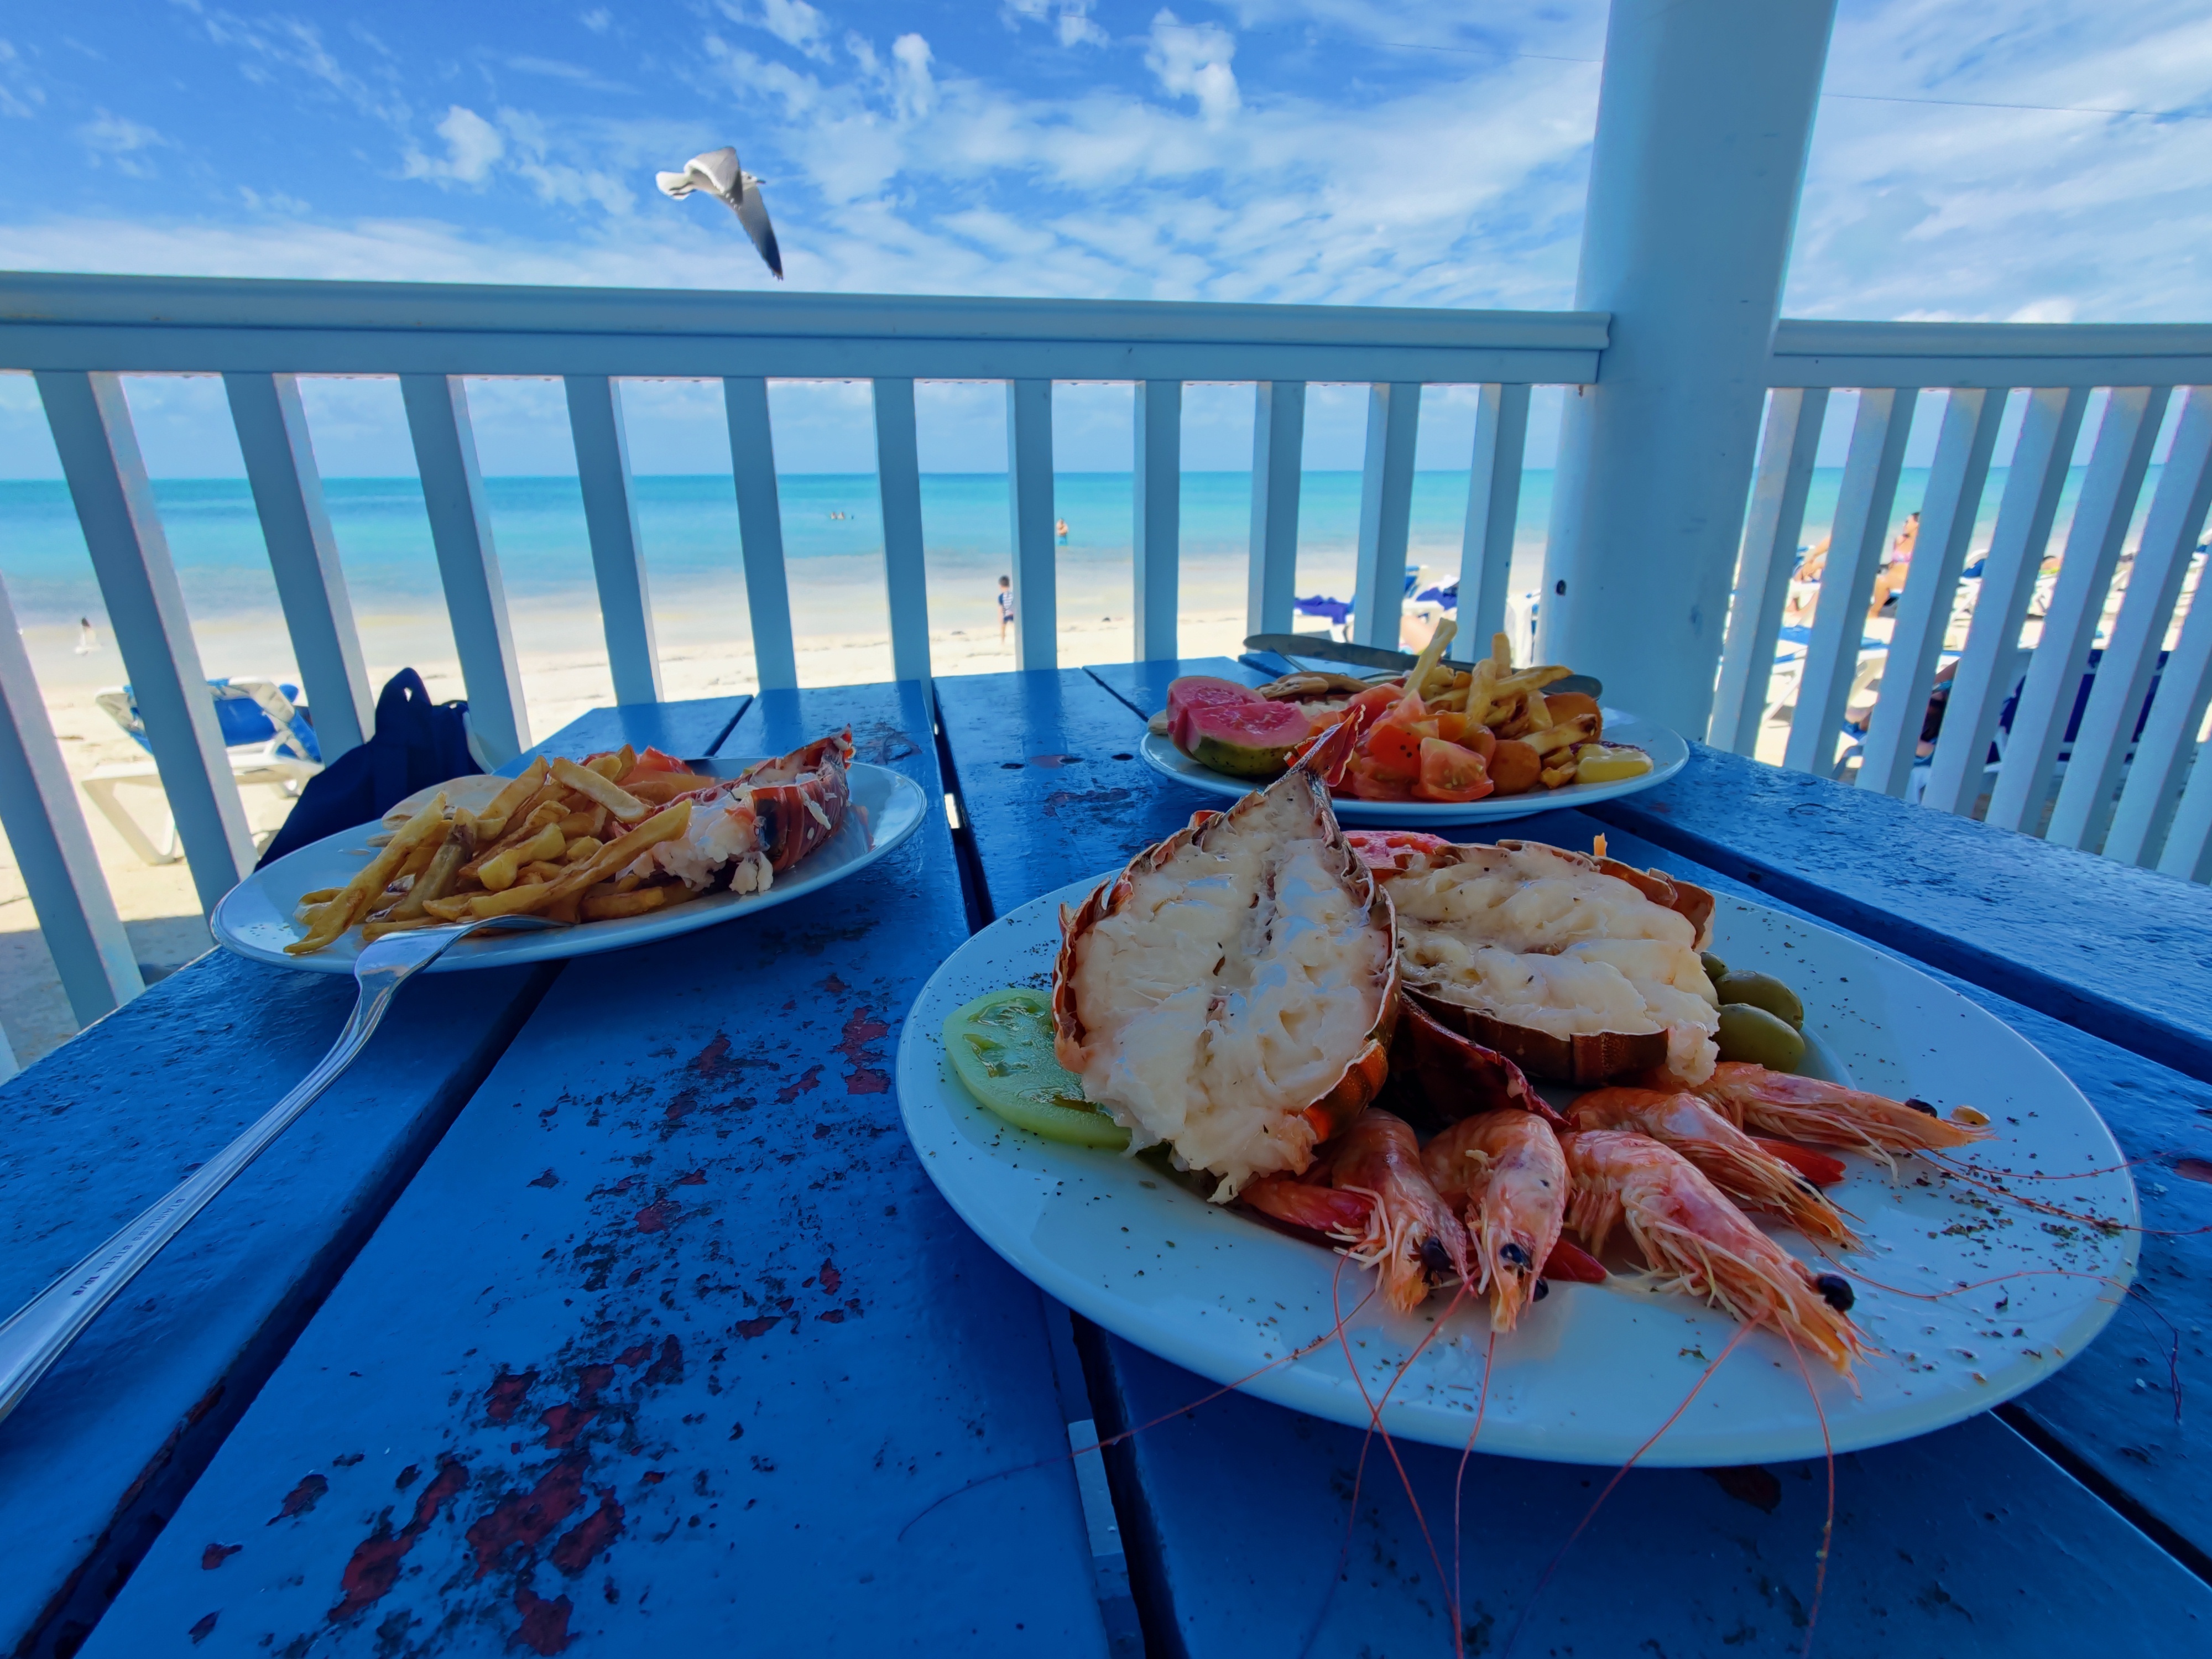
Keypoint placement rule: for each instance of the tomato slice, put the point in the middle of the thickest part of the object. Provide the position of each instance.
(1450, 772)
(1395, 748)
(1363, 780)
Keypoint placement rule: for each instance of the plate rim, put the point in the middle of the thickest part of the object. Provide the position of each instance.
(522, 949)
(921, 1074)
(1163, 756)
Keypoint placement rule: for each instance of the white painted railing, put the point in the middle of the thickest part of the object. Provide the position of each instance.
(2152, 806)
(79, 333)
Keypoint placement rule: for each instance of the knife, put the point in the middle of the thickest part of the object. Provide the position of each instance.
(1322, 649)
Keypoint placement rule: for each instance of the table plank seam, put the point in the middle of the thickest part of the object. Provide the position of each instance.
(151, 1500)
(975, 892)
(2017, 1416)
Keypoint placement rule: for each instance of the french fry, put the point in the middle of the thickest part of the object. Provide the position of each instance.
(425, 850)
(321, 896)
(565, 910)
(607, 907)
(437, 881)
(543, 869)
(661, 788)
(542, 808)
(582, 848)
(356, 896)
(491, 822)
(607, 793)
(498, 872)
(519, 899)
(665, 825)
(449, 909)
(588, 821)
(373, 931)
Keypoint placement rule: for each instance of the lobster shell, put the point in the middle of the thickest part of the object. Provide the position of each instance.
(801, 797)
(1364, 1075)
(1589, 1057)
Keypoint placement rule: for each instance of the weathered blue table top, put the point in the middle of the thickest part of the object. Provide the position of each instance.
(606, 1306)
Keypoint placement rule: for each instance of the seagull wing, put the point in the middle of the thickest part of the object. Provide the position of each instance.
(718, 168)
(675, 184)
(752, 214)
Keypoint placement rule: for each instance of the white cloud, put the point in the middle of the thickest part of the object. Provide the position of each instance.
(917, 92)
(795, 22)
(120, 141)
(472, 144)
(597, 20)
(1192, 60)
(1076, 28)
(19, 95)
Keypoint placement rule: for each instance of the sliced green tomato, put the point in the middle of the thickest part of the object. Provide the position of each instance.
(1000, 1046)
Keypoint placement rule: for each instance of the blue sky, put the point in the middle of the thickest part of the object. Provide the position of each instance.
(2046, 159)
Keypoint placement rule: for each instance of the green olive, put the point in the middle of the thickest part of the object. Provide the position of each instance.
(1762, 990)
(1715, 969)
(1750, 1033)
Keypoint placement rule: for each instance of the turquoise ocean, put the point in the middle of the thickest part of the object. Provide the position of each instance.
(690, 528)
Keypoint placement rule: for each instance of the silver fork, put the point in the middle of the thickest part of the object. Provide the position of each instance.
(39, 1331)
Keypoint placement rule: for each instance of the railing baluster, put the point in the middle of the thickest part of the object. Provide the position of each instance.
(2124, 677)
(1028, 503)
(906, 575)
(1972, 416)
(46, 834)
(2124, 441)
(760, 532)
(2169, 750)
(2033, 481)
(1159, 517)
(303, 555)
(595, 423)
(1278, 442)
(1493, 509)
(1386, 508)
(1855, 547)
(100, 456)
(1771, 532)
(2188, 850)
(468, 561)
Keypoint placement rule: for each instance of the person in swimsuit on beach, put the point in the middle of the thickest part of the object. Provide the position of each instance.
(1060, 529)
(1006, 606)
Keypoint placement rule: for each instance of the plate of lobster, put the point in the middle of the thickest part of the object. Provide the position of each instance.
(629, 848)
(1441, 742)
(1514, 1146)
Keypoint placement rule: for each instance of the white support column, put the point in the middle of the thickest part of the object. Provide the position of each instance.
(2125, 439)
(906, 575)
(1771, 534)
(2033, 481)
(46, 834)
(1705, 113)
(1493, 509)
(1158, 545)
(303, 554)
(2108, 723)
(595, 421)
(1854, 549)
(1386, 513)
(468, 562)
(1028, 501)
(1971, 416)
(99, 450)
(760, 529)
(1279, 443)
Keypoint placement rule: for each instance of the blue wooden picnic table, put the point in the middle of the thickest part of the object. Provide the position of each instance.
(606, 1303)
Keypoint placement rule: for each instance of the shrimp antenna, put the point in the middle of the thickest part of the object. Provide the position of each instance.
(1481, 1405)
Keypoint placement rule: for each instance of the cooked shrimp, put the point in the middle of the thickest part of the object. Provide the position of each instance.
(1503, 1171)
(1379, 1204)
(1699, 1242)
(1738, 1164)
(1828, 1113)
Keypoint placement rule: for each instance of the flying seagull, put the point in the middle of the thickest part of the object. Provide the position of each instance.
(718, 174)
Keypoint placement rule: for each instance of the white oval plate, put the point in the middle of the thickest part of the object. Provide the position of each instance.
(1669, 755)
(254, 918)
(1593, 1372)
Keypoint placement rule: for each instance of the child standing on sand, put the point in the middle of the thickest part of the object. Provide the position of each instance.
(1006, 606)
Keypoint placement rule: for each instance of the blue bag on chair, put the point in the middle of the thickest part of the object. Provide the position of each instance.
(418, 742)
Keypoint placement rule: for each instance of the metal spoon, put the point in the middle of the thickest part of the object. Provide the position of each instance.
(39, 1331)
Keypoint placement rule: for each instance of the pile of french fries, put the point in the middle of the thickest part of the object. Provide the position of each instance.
(554, 842)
